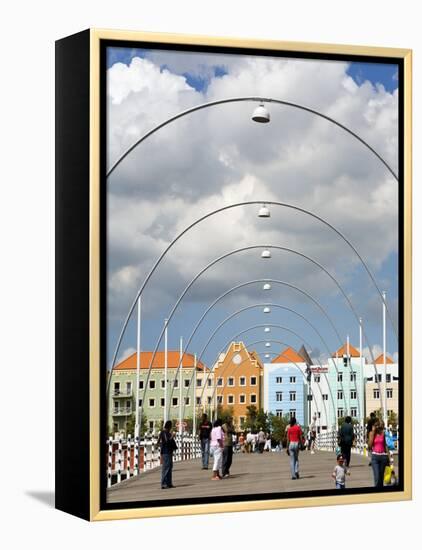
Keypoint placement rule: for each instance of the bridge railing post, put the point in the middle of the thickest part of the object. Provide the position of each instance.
(110, 461)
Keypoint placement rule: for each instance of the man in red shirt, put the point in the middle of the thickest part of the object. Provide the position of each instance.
(294, 438)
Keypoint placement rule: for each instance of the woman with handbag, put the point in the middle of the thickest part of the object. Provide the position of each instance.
(294, 444)
(167, 446)
(380, 453)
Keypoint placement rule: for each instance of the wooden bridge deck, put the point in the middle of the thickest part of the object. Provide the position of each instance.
(250, 474)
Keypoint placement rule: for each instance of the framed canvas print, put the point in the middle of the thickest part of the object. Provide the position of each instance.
(233, 274)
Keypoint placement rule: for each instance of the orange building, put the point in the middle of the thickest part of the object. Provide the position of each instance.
(238, 377)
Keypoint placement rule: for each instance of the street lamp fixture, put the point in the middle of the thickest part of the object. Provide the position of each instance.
(267, 344)
(267, 356)
(266, 310)
(266, 253)
(264, 212)
(267, 286)
(261, 114)
(267, 329)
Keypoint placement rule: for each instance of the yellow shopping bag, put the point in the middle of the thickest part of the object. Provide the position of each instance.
(387, 475)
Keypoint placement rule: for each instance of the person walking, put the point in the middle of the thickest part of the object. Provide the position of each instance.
(216, 448)
(228, 447)
(261, 440)
(380, 454)
(369, 426)
(205, 428)
(268, 442)
(346, 439)
(340, 472)
(294, 438)
(242, 442)
(167, 446)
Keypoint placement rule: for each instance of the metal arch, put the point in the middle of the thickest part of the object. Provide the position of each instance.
(297, 208)
(229, 254)
(238, 100)
(250, 328)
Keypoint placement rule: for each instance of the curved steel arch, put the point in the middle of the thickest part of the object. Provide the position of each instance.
(241, 99)
(250, 328)
(234, 252)
(276, 203)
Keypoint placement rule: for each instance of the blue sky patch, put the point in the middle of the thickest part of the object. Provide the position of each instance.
(376, 73)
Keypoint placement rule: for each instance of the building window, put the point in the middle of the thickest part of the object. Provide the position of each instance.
(353, 412)
(230, 399)
(116, 406)
(186, 382)
(279, 396)
(175, 383)
(325, 396)
(198, 400)
(175, 401)
(292, 395)
(340, 394)
(230, 381)
(390, 412)
(199, 382)
(242, 420)
(353, 394)
(141, 384)
(209, 400)
(253, 380)
(140, 403)
(220, 399)
(389, 393)
(209, 382)
(151, 425)
(293, 380)
(310, 396)
(352, 377)
(319, 415)
(292, 413)
(376, 394)
(340, 377)
(340, 413)
(187, 400)
(152, 384)
(152, 402)
(162, 402)
(253, 398)
(116, 388)
(317, 378)
(388, 378)
(279, 380)
(242, 382)
(219, 382)
(242, 398)
(279, 413)
(378, 378)
(163, 384)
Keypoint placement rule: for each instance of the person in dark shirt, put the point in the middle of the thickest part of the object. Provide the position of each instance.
(205, 428)
(228, 446)
(167, 446)
(346, 437)
(369, 426)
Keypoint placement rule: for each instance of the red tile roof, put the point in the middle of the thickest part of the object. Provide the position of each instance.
(343, 351)
(173, 358)
(289, 355)
(380, 360)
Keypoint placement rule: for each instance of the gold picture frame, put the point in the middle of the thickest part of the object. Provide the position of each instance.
(86, 364)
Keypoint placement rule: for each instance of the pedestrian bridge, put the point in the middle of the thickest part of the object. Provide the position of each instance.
(252, 473)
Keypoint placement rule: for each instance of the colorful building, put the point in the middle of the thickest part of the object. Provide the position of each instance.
(238, 381)
(378, 383)
(285, 387)
(181, 390)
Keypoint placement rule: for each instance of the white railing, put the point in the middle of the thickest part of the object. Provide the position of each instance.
(328, 440)
(132, 456)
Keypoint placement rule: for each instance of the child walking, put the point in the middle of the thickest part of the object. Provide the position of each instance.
(340, 472)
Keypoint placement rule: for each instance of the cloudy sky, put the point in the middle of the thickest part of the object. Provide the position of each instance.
(218, 156)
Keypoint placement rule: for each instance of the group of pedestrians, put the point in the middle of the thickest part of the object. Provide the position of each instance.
(217, 442)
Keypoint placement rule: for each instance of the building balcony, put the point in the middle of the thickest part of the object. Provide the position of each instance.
(122, 393)
(122, 411)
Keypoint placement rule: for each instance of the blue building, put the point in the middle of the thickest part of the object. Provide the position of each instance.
(285, 388)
